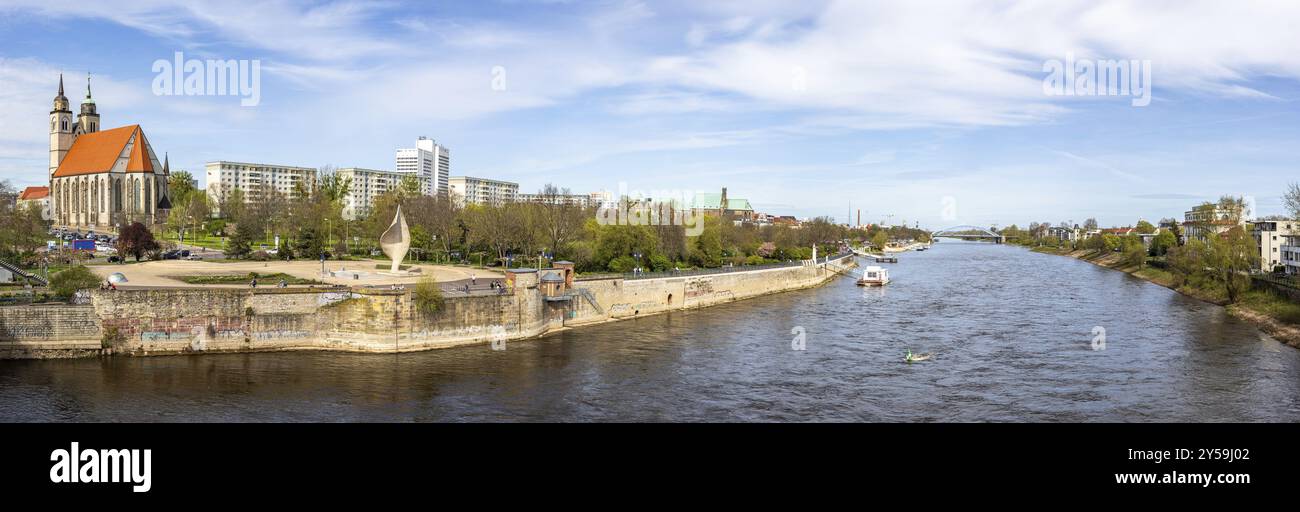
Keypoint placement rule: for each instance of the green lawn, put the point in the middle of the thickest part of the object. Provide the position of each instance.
(268, 279)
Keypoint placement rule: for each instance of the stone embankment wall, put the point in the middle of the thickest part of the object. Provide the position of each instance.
(178, 321)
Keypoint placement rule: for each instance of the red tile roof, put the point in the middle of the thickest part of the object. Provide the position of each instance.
(34, 193)
(95, 153)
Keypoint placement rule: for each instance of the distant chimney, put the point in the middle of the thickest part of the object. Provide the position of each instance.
(722, 205)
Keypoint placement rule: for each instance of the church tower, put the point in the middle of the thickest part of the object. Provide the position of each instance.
(60, 129)
(88, 120)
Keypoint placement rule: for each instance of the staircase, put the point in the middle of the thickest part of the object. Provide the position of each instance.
(31, 278)
(591, 299)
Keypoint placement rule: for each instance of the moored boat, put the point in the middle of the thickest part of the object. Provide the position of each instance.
(874, 276)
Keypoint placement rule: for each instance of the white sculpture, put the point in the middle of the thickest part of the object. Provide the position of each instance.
(396, 240)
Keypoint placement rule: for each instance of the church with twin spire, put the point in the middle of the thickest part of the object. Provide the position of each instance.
(101, 180)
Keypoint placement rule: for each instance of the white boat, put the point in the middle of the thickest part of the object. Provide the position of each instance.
(874, 276)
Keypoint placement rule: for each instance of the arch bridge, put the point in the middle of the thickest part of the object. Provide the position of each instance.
(968, 232)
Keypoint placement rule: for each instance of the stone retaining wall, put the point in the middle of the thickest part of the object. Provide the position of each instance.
(178, 321)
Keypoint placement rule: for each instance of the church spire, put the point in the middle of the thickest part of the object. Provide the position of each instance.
(60, 101)
(88, 98)
(167, 166)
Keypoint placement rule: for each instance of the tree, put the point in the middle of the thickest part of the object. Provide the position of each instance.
(333, 187)
(136, 240)
(22, 230)
(1232, 257)
(232, 206)
(1291, 200)
(558, 219)
(1090, 224)
(309, 243)
(880, 240)
(1162, 242)
(1144, 227)
(1187, 262)
(241, 243)
(410, 186)
(707, 249)
(1134, 253)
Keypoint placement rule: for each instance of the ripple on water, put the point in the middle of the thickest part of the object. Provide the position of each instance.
(1011, 332)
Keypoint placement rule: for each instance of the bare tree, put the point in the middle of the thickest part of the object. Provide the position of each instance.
(1292, 200)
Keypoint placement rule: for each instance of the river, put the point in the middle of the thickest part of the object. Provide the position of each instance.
(1011, 332)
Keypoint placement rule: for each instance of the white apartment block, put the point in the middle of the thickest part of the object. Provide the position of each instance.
(431, 161)
(481, 191)
(580, 200)
(1271, 237)
(367, 185)
(256, 181)
(602, 199)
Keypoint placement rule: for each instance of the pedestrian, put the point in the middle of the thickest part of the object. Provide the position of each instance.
(254, 283)
(472, 280)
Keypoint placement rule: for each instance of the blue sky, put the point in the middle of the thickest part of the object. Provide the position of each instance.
(899, 104)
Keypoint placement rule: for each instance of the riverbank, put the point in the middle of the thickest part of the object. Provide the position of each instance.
(367, 319)
(1272, 314)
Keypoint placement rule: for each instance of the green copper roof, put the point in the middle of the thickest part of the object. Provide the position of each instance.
(710, 201)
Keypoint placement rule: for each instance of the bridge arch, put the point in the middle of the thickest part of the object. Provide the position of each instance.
(968, 232)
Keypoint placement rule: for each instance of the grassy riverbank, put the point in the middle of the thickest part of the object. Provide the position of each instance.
(1272, 313)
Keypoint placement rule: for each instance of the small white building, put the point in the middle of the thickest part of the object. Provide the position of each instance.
(36, 197)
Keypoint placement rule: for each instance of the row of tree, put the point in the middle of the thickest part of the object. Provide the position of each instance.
(310, 223)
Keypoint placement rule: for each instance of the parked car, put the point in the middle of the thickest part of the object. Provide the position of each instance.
(114, 259)
(193, 257)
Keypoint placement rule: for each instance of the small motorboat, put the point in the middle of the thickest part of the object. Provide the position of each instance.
(916, 358)
(874, 276)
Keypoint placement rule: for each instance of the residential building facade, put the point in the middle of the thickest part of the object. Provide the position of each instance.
(256, 181)
(1271, 237)
(580, 200)
(369, 184)
(482, 191)
(1203, 221)
(431, 162)
(36, 197)
(1290, 254)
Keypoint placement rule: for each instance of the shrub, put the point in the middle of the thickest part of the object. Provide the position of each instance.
(622, 264)
(68, 282)
(660, 263)
(428, 296)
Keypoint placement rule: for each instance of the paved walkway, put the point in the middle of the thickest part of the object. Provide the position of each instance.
(163, 274)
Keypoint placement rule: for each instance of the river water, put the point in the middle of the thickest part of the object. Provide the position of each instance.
(1011, 332)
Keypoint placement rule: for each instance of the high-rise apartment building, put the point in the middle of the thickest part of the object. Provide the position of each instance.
(431, 161)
